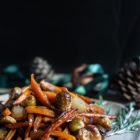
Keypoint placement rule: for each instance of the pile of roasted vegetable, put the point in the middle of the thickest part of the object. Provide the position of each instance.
(46, 112)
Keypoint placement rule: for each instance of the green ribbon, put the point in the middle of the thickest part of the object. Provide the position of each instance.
(99, 85)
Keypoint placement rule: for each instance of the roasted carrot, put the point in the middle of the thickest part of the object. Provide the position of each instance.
(10, 134)
(37, 122)
(19, 138)
(49, 87)
(63, 135)
(51, 96)
(87, 100)
(17, 125)
(72, 94)
(96, 109)
(26, 88)
(31, 120)
(66, 130)
(6, 112)
(92, 115)
(36, 135)
(41, 110)
(22, 97)
(47, 119)
(68, 114)
(39, 93)
(59, 129)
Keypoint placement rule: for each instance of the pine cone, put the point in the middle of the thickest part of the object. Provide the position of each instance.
(127, 81)
(42, 69)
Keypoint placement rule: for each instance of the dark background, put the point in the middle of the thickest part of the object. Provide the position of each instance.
(70, 33)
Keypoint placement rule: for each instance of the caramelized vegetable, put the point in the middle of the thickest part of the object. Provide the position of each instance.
(51, 96)
(36, 135)
(15, 93)
(63, 135)
(95, 132)
(78, 103)
(18, 112)
(19, 138)
(37, 122)
(17, 125)
(40, 110)
(76, 124)
(39, 93)
(96, 109)
(69, 114)
(8, 119)
(22, 97)
(49, 87)
(31, 120)
(83, 134)
(31, 101)
(6, 112)
(3, 133)
(87, 100)
(10, 134)
(63, 101)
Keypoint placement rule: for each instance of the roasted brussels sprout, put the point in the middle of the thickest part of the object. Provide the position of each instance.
(76, 124)
(95, 132)
(31, 101)
(8, 119)
(3, 133)
(105, 122)
(78, 103)
(63, 101)
(15, 92)
(18, 112)
(83, 134)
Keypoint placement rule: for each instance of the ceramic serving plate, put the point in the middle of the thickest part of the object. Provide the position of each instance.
(114, 109)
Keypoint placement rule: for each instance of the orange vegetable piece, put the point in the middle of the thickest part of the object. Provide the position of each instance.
(51, 96)
(68, 114)
(17, 125)
(96, 109)
(41, 110)
(19, 138)
(37, 122)
(73, 95)
(22, 97)
(63, 135)
(10, 134)
(92, 115)
(31, 120)
(39, 93)
(49, 87)
(6, 112)
(86, 99)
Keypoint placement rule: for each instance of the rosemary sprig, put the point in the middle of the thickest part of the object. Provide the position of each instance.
(126, 121)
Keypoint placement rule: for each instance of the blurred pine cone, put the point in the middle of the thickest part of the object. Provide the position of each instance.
(42, 69)
(127, 81)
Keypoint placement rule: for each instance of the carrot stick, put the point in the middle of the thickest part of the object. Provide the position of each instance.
(22, 97)
(47, 119)
(72, 94)
(59, 129)
(17, 125)
(10, 134)
(39, 93)
(31, 120)
(6, 112)
(96, 109)
(91, 115)
(37, 122)
(41, 110)
(86, 99)
(51, 96)
(63, 135)
(49, 87)
(26, 88)
(19, 138)
(68, 114)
